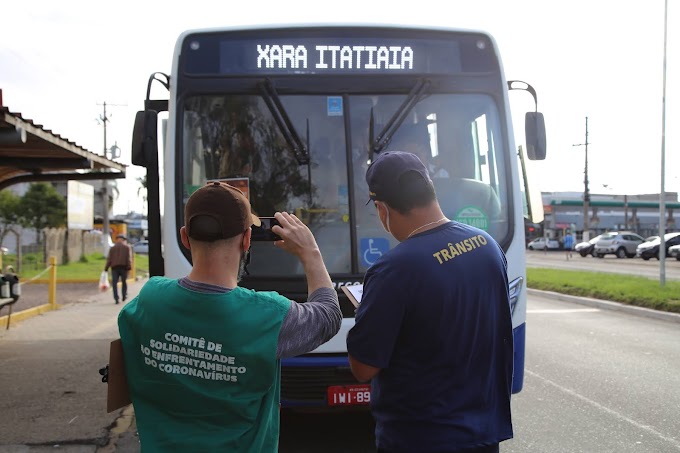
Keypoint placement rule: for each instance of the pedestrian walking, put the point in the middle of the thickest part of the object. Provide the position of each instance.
(433, 330)
(119, 260)
(569, 244)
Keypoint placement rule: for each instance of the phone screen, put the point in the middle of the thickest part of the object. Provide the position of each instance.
(264, 232)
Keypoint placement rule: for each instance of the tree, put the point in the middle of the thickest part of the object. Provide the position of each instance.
(43, 207)
(143, 189)
(9, 212)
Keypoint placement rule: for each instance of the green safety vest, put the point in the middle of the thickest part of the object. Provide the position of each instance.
(202, 368)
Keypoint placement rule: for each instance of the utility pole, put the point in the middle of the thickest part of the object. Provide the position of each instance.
(662, 195)
(104, 118)
(586, 192)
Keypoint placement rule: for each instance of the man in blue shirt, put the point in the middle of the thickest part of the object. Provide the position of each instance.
(433, 331)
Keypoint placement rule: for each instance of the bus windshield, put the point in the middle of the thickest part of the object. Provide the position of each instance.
(236, 138)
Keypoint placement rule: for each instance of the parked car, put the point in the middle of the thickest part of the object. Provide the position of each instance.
(141, 247)
(621, 243)
(674, 251)
(543, 244)
(650, 249)
(588, 247)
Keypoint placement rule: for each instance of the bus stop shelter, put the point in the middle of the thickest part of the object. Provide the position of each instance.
(31, 153)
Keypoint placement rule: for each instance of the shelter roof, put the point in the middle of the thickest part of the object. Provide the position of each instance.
(29, 153)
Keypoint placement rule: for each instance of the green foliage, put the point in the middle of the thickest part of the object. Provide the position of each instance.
(43, 207)
(627, 289)
(9, 211)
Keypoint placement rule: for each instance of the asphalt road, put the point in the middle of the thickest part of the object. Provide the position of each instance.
(597, 381)
(634, 266)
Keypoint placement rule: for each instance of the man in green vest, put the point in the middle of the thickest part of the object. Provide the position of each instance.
(202, 355)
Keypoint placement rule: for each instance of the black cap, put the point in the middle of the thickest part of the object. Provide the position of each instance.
(385, 175)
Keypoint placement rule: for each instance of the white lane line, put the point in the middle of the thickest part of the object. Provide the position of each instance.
(565, 310)
(647, 428)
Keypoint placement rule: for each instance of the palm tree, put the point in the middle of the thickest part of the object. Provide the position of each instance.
(142, 190)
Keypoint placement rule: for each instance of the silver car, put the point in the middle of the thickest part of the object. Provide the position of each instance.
(674, 252)
(621, 243)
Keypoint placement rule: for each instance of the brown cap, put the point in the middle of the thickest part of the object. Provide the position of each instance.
(218, 211)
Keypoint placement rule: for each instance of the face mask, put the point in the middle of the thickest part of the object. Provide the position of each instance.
(387, 220)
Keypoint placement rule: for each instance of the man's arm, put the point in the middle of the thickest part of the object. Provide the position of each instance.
(108, 261)
(309, 325)
(361, 371)
(298, 240)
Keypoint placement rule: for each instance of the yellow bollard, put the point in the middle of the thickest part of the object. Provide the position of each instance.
(52, 290)
(133, 271)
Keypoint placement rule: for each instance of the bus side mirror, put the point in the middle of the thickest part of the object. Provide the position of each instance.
(145, 138)
(534, 129)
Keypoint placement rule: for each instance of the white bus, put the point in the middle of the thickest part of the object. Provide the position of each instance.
(292, 115)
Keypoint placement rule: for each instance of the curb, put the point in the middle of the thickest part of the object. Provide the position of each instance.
(608, 305)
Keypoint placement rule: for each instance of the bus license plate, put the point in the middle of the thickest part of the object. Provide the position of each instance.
(345, 395)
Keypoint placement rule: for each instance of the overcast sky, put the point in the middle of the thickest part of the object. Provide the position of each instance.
(59, 61)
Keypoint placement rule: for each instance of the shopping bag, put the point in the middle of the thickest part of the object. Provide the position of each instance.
(104, 281)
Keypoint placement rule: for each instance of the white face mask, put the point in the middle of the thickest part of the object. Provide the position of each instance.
(387, 220)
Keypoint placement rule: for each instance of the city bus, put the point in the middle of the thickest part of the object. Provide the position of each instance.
(293, 115)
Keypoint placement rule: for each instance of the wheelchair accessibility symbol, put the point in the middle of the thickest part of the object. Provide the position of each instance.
(372, 249)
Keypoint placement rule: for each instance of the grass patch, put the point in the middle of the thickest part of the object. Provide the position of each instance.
(88, 268)
(627, 289)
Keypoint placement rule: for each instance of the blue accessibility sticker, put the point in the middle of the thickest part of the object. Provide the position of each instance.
(372, 249)
(334, 106)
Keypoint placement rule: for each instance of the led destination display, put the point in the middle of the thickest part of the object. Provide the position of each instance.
(225, 55)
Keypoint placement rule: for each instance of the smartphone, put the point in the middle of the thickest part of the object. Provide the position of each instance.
(264, 232)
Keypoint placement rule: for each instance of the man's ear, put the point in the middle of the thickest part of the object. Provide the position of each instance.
(185, 238)
(246, 239)
(382, 206)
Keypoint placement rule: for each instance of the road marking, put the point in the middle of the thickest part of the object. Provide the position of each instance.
(565, 310)
(622, 417)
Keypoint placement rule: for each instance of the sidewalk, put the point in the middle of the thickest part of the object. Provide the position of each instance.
(51, 394)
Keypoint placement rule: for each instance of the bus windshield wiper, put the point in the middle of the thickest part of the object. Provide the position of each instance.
(273, 101)
(383, 139)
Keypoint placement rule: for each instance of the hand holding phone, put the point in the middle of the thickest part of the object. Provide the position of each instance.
(264, 232)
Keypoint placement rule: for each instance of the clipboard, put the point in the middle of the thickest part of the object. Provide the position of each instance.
(118, 394)
(353, 293)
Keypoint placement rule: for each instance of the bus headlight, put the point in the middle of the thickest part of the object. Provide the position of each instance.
(514, 289)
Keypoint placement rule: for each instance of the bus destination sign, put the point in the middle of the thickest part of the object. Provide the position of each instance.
(330, 56)
(334, 57)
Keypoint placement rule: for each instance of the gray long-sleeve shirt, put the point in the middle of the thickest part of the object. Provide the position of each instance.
(305, 327)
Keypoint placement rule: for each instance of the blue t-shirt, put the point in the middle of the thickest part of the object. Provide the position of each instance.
(435, 317)
(568, 241)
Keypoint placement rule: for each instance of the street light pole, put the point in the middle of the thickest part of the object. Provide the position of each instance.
(662, 195)
(586, 191)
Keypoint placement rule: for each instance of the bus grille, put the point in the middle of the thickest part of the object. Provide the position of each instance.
(309, 384)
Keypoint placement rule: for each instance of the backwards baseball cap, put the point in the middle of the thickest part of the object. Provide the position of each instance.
(218, 211)
(394, 174)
